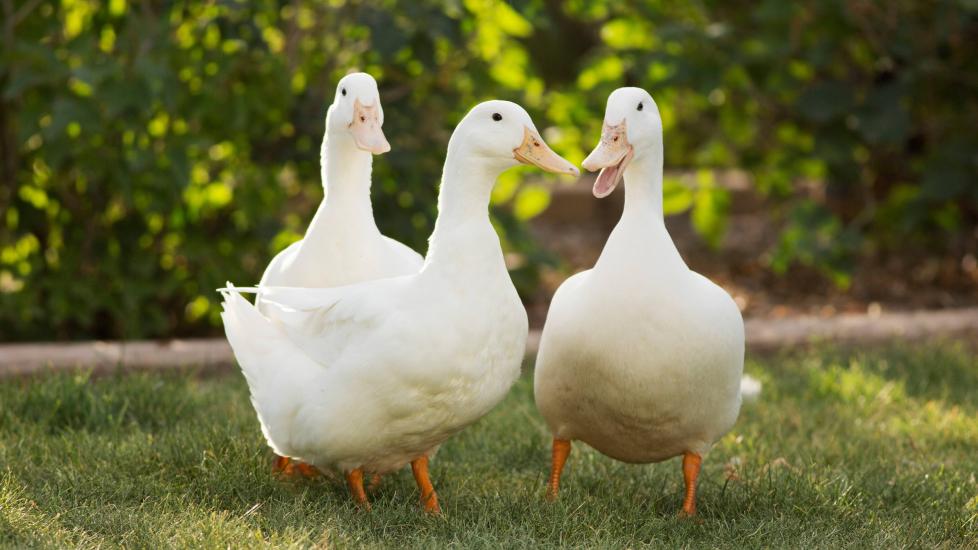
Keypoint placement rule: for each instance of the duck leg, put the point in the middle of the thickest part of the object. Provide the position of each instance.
(429, 499)
(691, 470)
(288, 467)
(354, 478)
(561, 450)
(374, 484)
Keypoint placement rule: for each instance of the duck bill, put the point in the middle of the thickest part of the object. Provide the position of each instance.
(611, 157)
(535, 151)
(366, 130)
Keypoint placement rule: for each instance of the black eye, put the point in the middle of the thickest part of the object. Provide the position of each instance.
(497, 117)
(343, 91)
(640, 106)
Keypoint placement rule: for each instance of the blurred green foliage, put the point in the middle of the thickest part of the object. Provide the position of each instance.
(152, 151)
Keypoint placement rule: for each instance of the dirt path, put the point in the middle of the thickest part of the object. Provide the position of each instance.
(763, 335)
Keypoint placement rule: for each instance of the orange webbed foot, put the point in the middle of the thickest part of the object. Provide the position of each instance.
(307, 470)
(288, 467)
(283, 465)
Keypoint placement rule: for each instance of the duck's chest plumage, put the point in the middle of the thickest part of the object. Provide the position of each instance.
(641, 363)
(478, 341)
(455, 361)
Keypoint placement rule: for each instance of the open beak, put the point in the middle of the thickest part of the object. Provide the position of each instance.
(365, 128)
(611, 156)
(535, 151)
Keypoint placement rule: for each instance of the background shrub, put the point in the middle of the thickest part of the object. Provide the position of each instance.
(150, 152)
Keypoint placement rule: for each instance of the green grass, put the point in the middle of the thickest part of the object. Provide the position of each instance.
(875, 449)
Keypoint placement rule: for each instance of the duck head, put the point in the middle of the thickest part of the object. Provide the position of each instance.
(501, 133)
(356, 112)
(632, 128)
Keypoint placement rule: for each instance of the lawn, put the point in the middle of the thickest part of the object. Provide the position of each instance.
(865, 449)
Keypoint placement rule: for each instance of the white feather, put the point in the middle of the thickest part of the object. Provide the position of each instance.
(641, 357)
(750, 388)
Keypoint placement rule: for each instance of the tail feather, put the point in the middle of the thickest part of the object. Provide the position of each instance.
(750, 388)
(277, 371)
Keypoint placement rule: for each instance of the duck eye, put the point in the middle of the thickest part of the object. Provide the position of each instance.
(343, 91)
(497, 117)
(640, 106)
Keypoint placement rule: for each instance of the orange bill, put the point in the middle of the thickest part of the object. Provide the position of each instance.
(611, 157)
(366, 130)
(535, 151)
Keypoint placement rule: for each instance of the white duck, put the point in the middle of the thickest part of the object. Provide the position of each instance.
(372, 376)
(342, 244)
(640, 358)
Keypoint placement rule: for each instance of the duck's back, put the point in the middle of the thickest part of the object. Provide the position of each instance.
(330, 264)
(400, 258)
(641, 362)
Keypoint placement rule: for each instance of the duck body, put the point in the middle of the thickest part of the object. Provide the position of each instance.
(384, 372)
(641, 358)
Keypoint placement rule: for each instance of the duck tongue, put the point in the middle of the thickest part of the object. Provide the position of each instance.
(607, 180)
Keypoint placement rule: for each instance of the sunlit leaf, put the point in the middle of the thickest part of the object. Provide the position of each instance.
(676, 197)
(710, 208)
(607, 69)
(627, 33)
(531, 201)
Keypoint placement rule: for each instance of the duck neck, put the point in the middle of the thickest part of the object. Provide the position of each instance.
(346, 209)
(462, 230)
(641, 239)
(643, 188)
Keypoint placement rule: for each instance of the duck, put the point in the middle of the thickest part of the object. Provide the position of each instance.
(370, 377)
(640, 357)
(342, 244)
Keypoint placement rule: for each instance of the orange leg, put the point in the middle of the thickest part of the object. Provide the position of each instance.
(428, 496)
(691, 470)
(354, 479)
(561, 450)
(374, 483)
